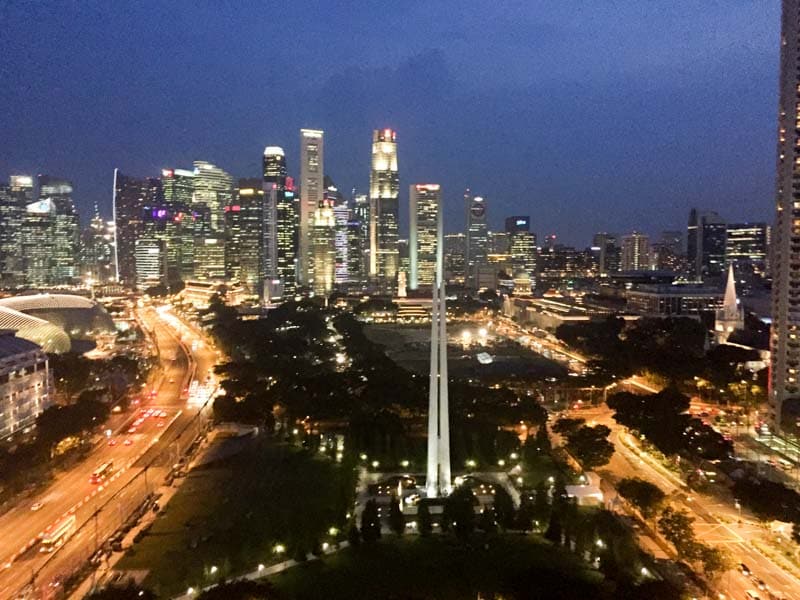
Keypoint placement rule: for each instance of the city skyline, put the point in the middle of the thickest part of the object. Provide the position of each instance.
(602, 181)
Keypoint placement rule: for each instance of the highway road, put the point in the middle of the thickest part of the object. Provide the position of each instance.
(141, 458)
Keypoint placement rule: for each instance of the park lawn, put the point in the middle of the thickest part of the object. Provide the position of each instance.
(232, 514)
(439, 567)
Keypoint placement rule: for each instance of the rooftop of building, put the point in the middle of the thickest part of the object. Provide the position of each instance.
(11, 345)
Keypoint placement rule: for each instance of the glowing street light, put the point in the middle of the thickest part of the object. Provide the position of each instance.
(260, 567)
(214, 569)
(279, 549)
(404, 464)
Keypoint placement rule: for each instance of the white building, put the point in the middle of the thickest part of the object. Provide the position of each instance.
(424, 202)
(25, 383)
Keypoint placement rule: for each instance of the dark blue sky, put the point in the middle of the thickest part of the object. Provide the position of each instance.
(586, 115)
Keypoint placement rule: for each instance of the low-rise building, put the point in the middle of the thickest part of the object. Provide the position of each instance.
(25, 383)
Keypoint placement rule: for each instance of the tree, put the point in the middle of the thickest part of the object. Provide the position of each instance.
(503, 508)
(542, 440)
(487, 522)
(554, 529)
(567, 425)
(590, 446)
(676, 527)
(715, 561)
(242, 589)
(397, 522)
(424, 518)
(645, 496)
(370, 522)
(541, 503)
(459, 510)
(353, 535)
(118, 592)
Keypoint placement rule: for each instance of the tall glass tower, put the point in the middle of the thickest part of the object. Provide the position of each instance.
(312, 189)
(424, 200)
(384, 189)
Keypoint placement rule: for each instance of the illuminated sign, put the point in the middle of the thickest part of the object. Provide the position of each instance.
(477, 209)
(522, 221)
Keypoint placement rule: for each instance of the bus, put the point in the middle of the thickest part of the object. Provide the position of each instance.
(101, 472)
(55, 536)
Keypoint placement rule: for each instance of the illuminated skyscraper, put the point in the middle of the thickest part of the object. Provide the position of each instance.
(424, 200)
(212, 189)
(384, 188)
(312, 172)
(455, 250)
(244, 233)
(128, 203)
(97, 251)
(177, 188)
(522, 246)
(785, 342)
(323, 255)
(635, 252)
(13, 200)
(280, 225)
(477, 246)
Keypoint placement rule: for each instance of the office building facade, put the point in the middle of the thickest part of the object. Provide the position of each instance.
(384, 189)
(477, 238)
(424, 201)
(312, 189)
(26, 383)
(635, 254)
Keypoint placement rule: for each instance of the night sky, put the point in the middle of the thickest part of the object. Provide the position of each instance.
(587, 115)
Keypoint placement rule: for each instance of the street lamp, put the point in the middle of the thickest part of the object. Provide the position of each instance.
(279, 549)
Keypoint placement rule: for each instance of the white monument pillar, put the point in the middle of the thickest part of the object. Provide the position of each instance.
(438, 478)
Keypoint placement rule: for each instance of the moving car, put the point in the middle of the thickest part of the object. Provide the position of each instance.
(36, 506)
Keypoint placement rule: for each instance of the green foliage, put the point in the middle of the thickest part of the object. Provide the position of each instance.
(59, 422)
(119, 592)
(715, 561)
(242, 589)
(425, 523)
(567, 425)
(370, 522)
(645, 496)
(590, 446)
(769, 500)
(397, 521)
(459, 510)
(676, 527)
(661, 418)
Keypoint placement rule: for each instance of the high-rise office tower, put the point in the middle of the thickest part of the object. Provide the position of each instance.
(355, 253)
(312, 189)
(13, 200)
(97, 251)
(213, 188)
(785, 340)
(705, 244)
(323, 249)
(522, 245)
(177, 189)
(424, 200)
(499, 242)
(609, 253)
(746, 250)
(128, 204)
(635, 252)
(477, 246)
(150, 261)
(244, 235)
(341, 212)
(51, 235)
(273, 180)
(384, 189)
(280, 224)
(455, 250)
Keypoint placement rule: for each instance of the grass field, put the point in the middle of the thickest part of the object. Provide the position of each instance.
(233, 514)
(512, 566)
